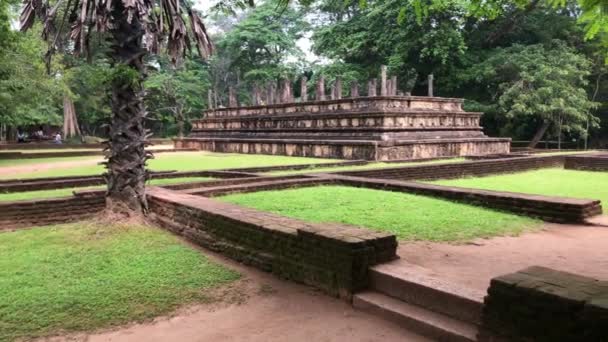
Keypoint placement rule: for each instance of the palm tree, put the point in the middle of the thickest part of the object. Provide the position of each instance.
(133, 28)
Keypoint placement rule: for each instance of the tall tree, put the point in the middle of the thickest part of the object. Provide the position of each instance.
(134, 28)
(546, 83)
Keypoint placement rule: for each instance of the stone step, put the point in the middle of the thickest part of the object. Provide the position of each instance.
(403, 281)
(425, 322)
(597, 220)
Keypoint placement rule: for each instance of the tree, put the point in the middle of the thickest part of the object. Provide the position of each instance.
(173, 94)
(258, 48)
(543, 82)
(28, 95)
(134, 29)
(372, 36)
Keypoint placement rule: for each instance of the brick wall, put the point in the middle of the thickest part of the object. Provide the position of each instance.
(553, 209)
(463, 169)
(332, 257)
(20, 214)
(19, 185)
(541, 304)
(588, 163)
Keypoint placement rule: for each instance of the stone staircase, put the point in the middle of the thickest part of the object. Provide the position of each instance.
(422, 304)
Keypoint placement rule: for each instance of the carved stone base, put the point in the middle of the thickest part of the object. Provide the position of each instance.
(367, 150)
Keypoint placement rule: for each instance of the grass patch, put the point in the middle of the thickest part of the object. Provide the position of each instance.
(562, 153)
(41, 194)
(86, 276)
(30, 161)
(550, 182)
(370, 166)
(408, 216)
(180, 161)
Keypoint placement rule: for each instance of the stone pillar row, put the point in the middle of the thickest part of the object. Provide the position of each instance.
(270, 94)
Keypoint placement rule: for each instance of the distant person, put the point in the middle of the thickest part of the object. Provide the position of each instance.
(20, 137)
(58, 138)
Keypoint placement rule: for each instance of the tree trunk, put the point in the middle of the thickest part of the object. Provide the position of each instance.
(539, 134)
(559, 133)
(126, 164)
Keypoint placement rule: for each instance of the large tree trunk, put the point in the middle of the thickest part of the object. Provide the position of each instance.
(126, 165)
(539, 134)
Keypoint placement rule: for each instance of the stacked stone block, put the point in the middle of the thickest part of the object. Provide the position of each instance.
(541, 304)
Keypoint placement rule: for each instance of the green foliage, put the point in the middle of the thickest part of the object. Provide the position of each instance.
(408, 216)
(176, 94)
(546, 82)
(260, 47)
(550, 182)
(86, 276)
(383, 33)
(28, 95)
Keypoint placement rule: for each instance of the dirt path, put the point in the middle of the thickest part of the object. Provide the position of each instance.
(570, 248)
(261, 308)
(15, 171)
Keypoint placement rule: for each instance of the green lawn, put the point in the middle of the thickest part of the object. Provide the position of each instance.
(370, 166)
(85, 276)
(41, 194)
(29, 161)
(181, 161)
(408, 216)
(551, 182)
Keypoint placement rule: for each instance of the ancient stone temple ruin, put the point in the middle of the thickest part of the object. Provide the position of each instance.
(388, 126)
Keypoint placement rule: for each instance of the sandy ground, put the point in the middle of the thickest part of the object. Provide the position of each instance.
(570, 248)
(15, 171)
(260, 308)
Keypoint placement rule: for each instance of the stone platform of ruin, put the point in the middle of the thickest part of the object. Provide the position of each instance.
(384, 127)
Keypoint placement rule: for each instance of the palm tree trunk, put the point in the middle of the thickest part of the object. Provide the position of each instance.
(126, 165)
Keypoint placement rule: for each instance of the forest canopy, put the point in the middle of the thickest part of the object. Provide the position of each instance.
(529, 65)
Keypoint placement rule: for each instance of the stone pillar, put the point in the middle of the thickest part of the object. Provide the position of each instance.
(338, 88)
(232, 100)
(270, 93)
(210, 99)
(332, 91)
(286, 93)
(303, 89)
(255, 95)
(320, 89)
(354, 89)
(371, 87)
(394, 85)
(430, 93)
(389, 87)
(383, 85)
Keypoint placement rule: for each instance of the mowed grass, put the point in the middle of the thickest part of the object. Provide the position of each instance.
(50, 160)
(550, 182)
(85, 276)
(42, 194)
(180, 161)
(407, 216)
(370, 166)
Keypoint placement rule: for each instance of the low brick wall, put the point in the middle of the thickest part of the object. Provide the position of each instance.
(334, 258)
(592, 162)
(541, 304)
(48, 145)
(553, 209)
(63, 154)
(463, 169)
(34, 184)
(20, 214)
